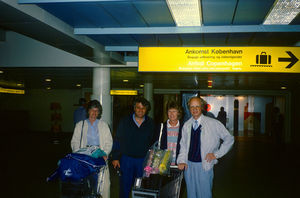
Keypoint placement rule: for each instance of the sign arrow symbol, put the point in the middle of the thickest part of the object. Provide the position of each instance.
(293, 59)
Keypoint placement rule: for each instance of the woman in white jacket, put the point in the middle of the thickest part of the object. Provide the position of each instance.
(94, 132)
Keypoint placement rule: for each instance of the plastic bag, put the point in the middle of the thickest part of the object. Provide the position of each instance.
(93, 151)
(76, 166)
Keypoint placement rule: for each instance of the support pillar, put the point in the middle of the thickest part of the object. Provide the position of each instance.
(236, 118)
(148, 94)
(101, 92)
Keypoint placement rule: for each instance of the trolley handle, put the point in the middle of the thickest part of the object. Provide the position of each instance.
(175, 167)
(118, 170)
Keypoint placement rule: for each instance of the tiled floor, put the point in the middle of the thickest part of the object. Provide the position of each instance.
(254, 168)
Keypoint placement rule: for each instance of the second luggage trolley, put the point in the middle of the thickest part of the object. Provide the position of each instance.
(160, 179)
(159, 186)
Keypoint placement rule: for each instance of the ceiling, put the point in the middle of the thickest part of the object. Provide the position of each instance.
(121, 26)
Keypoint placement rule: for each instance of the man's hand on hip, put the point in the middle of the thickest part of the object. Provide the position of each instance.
(210, 157)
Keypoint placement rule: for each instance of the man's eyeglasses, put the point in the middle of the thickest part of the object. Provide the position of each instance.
(195, 107)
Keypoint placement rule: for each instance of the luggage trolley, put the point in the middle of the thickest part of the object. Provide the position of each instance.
(159, 186)
(85, 187)
(80, 176)
(88, 187)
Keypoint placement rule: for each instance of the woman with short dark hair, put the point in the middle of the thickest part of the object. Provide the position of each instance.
(94, 132)
(170, 133)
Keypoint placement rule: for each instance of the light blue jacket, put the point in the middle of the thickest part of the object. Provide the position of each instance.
(212, 131)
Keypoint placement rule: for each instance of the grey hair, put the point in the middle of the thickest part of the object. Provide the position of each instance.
(202, 101)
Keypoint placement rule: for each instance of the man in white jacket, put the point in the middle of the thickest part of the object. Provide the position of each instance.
(200, 148)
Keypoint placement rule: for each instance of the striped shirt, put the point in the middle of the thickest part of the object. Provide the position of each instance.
(172, 132)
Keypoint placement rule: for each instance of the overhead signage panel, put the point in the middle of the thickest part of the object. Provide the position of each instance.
(123, 92)
(219, 59)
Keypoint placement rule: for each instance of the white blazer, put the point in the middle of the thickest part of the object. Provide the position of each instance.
(105, 138)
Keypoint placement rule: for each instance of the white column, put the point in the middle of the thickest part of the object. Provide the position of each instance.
(148, 94)
(101, 92)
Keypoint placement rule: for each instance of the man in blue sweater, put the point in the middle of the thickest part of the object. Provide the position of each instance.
(80, 113)
(133, 139)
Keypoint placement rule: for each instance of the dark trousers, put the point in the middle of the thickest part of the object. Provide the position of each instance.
(131, 168)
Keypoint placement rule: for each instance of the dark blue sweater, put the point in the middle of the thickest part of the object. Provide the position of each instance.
(132, 140)
(195, 145)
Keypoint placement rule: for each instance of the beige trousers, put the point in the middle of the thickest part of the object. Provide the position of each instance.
(105, 185)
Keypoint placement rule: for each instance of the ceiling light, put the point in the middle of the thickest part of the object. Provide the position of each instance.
(283, 12)
(19, 84)
(78, 85)
(48, 88)
(209, 82)
(1, 72)
(283, 87)
(141, 85)
(185, 12)
(125, 80)
(48, 80)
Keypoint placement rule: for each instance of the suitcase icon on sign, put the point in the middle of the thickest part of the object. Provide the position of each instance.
(263, 58)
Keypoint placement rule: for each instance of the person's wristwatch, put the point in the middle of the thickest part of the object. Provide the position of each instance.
(216, 155)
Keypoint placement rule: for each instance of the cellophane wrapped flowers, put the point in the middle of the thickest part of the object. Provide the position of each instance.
(157, 162)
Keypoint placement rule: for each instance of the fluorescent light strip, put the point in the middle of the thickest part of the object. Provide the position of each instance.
(123, 92)
(12, 91)
(185, 12)
(283, 12)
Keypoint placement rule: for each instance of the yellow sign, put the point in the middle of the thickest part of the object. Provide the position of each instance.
(123, 92)
(220, 59)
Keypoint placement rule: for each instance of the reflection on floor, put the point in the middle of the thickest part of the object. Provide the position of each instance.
(254, 168)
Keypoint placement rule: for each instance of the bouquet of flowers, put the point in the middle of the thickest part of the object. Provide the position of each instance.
(157, 162)
(165, 162)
